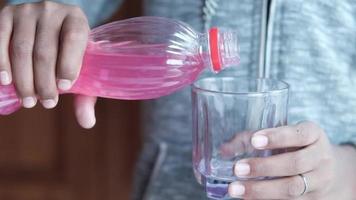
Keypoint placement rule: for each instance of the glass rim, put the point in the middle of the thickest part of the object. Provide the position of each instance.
(198, 88)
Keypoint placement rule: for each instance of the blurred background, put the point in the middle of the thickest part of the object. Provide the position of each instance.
(45, 155)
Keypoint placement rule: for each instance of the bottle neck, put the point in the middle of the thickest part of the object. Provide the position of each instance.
(206, 54)
(219, 49)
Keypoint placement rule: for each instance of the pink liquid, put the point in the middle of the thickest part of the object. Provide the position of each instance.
(134, 76)
(113, 75)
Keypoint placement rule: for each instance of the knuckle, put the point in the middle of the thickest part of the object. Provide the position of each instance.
(253, 190)
(21, 48)
(80, 21)
(4, 64)
(45, 92)
(275, 138)
(70, 74)
(44, 55)
(77, 10)
(24, 89)
(308, 125)
(73, 36)
(294, 187)
(83, 24)
(25, 8)
(303, 136)
(310, 131)
(47, 5)
(49, 10)
(258, 168)
(6, 10)
(297, 164)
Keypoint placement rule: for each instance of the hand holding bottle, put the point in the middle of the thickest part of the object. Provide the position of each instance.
(138, 58)
(41, 51)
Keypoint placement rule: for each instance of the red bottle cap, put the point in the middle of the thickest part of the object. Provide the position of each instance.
(214, 48)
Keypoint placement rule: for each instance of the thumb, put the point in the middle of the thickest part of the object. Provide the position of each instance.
(84, 110)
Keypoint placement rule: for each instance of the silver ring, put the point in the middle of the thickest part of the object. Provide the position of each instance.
(306, 184)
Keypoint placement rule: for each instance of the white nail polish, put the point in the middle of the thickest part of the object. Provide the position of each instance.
(236, 190)
(4, 78)
(29, 102)
(242, 169)
(86, 117)
(64, 84)
(89, 123)
(259, 141)
(49, 103)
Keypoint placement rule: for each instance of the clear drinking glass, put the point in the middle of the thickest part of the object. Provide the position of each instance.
(226, 112)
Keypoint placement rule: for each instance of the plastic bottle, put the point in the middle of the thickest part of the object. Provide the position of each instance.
(144, 58)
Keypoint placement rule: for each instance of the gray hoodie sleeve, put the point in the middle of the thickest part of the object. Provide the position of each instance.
(97, 11)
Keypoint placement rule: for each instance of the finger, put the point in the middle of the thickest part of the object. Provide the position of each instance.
(285, 164)
(45, 56)
(299, 135)
(21, 49)
(283, 188)
(6, 21)
(74, 37)
(84, 110)
(238, 145)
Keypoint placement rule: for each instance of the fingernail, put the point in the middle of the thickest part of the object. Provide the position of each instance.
(87, 118)
(236, 190)
(64, 84)
(242, 169)
(49, 103)
(29, 102)
(89, 122)
(4, 78)
(259, 141)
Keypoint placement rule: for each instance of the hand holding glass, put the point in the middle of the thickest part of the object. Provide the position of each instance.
(226, 112)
